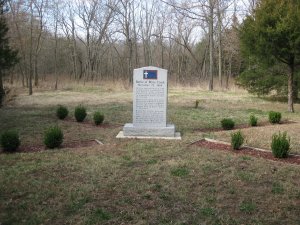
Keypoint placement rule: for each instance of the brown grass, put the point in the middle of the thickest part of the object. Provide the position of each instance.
(143, 181)
(261, 137)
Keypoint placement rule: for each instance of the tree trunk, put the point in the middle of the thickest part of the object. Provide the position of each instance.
(162, 52)
(2, 93)
(23, 77)
(220, 64)
(36, 75)
(30, 80)
(74, 53)
(211, 42)
(291, 89)
(55, 47)
(229, 71)
(31, 50)
(295, 90)
(130, 69)
(55, 62)
(220, 44)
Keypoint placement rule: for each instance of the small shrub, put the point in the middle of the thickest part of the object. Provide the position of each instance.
(253, 121)
(180, 172)
(280, 145)
(98, 118)
(80, 113)
(248, 207)
(227, 124)
(62, 112)
(99, 215)
(237, 140)
(53, 137)
(274, 117)
(208, 211)
(197, 103)
(10, 141)
(277, 188)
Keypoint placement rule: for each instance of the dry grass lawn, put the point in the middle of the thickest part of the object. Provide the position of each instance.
(146, 181)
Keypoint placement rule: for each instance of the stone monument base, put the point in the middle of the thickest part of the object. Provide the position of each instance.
(176, 137)
(168, 132)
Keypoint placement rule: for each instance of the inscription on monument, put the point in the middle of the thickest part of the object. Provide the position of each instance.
(150, 102)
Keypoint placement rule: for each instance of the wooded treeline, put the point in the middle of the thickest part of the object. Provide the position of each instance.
(98, 40)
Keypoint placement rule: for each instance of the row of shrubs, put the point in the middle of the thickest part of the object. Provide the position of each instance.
(274, 117)
(53, 136)
(280, 143)
(79, 113)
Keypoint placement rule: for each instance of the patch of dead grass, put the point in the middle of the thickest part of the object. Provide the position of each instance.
(261, 137)
(43, 99)
(131, 180)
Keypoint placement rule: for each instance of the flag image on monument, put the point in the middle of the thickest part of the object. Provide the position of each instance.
(150, 74)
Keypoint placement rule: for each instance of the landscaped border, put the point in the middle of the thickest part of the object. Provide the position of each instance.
(245, 150)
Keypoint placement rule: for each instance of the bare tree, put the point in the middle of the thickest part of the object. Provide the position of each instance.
(231, 46)
(148, 12)
(69, 29)
(106, 39)
(211, 43)
(17, 19)
(125, 11)
(219, 41)
(95, 17)
(56, 16)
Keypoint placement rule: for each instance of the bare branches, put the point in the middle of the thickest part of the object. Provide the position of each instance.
(107, 39)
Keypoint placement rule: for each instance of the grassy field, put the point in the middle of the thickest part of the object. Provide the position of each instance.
(146, 182)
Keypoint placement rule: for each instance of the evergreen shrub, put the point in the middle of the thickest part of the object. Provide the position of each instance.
(280, 145)
(53, 137)
(80, 113)
(237, 140)
(227, 124)
(197, 103)
(98, 118)
(10, 141)
(274, 117)
(253, 121)
(62, 112)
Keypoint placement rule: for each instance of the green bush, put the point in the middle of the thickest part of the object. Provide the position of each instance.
(53, 137)
(237, 140)
(227, 124)
(280, 145)
(80, 113)
(253, 121)
(62, 112)
(98, 118)
(10, 141)
(197, 103)
(274, 117)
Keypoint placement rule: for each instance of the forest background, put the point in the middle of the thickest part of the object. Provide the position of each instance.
(97, 41)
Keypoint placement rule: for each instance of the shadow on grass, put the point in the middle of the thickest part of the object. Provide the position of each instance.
(275, 98)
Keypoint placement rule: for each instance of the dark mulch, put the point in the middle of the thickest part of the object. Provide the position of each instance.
(73, 144)
(246, 151)
(89, 123)
(241, 126)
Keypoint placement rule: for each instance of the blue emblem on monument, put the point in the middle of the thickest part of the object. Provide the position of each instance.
(150, 74)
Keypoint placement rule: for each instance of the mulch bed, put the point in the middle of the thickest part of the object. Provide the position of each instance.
(88, 123)
(242, 126)
(72, 145)
(246, 151)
